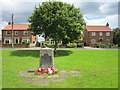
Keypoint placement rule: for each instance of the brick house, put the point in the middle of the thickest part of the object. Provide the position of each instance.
(51, 41)
(20, 34)
(98, 34)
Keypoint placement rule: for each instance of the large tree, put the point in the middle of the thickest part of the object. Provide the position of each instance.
(57, 20)
(116, 36)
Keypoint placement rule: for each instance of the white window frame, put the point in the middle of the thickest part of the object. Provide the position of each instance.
(10, 41)
(107, 34)
(93, 41)
(93, 33)
(27, 39)
(100, 33)
(15, 40)
(51, 41)
(107, 40)
(25, 32)
(7, 33)
(15, 32)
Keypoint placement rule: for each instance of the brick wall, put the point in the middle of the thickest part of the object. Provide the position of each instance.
(20, 35)
(88, 37)
(16, 45)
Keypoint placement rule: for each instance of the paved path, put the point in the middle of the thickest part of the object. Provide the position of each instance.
(38, 48)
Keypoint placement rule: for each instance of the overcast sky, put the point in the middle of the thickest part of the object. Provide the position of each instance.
(95, 13)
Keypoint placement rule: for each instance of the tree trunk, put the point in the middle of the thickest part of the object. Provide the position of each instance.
(55, 48)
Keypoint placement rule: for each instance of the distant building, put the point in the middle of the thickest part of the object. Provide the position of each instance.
(20, 35)
(98, 34)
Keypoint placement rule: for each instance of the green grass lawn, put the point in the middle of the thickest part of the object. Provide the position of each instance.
(99, 68)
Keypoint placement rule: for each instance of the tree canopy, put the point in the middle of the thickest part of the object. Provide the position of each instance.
(57, 20)
(116, 36)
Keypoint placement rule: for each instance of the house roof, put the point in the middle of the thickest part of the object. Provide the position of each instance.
(26, 26)
(17, 27)
(98, 28)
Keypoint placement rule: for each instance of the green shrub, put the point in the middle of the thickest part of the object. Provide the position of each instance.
(109, 45)
(24, 42)
(50, 45)
(59, 45)
(80, 44)
(103, 45)
(71, 45)
(97, 45)
(47, 44)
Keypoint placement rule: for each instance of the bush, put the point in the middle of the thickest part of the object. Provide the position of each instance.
(71, 45)
(118, 44)
(80, 44)
(59, 45)
(28, 42)
(97, 45)
(47, 44)
(102, 45)
(24, 42)
(109, 45)
(50, 45)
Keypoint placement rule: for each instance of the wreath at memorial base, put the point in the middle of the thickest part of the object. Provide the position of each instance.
(50, 70)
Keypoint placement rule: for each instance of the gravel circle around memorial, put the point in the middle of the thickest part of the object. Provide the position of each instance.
(57, 80)
(46, 79)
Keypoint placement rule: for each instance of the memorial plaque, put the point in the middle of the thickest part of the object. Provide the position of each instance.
(46, 58)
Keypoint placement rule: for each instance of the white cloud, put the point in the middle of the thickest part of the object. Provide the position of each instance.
(112, 20)
(109, 8)
(3, 24)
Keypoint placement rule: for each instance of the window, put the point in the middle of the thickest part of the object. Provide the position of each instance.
(100, 39)
(26, 40)
(16, 32)
(52, 41)
(7, 41)
(107, 33)
(7, 32)
(16, 40)
(107, 41)
(93, 33)
(100, 33)
(93, 41)
(25, 32)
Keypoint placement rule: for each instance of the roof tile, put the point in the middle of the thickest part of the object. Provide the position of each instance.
(98, 28)
(17, 27)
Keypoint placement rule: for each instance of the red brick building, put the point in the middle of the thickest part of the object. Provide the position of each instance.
(98, 34)
(20, 35)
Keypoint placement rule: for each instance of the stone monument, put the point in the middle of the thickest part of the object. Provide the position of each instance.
(46, 58)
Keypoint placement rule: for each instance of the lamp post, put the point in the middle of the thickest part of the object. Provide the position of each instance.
(12, 33)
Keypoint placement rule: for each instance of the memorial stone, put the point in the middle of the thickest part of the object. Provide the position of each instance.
(46, 58)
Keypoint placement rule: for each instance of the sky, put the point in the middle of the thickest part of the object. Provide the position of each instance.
(96, 12)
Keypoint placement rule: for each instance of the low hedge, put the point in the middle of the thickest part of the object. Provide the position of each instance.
(80, 44)
(102, 45)
(71, 45)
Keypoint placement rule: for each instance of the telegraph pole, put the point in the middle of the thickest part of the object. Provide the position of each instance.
(12, 33)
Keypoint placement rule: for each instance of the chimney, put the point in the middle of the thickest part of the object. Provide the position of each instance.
(9, 23)
(107, 24)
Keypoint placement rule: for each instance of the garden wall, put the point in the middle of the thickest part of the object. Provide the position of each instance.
(16, 45)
